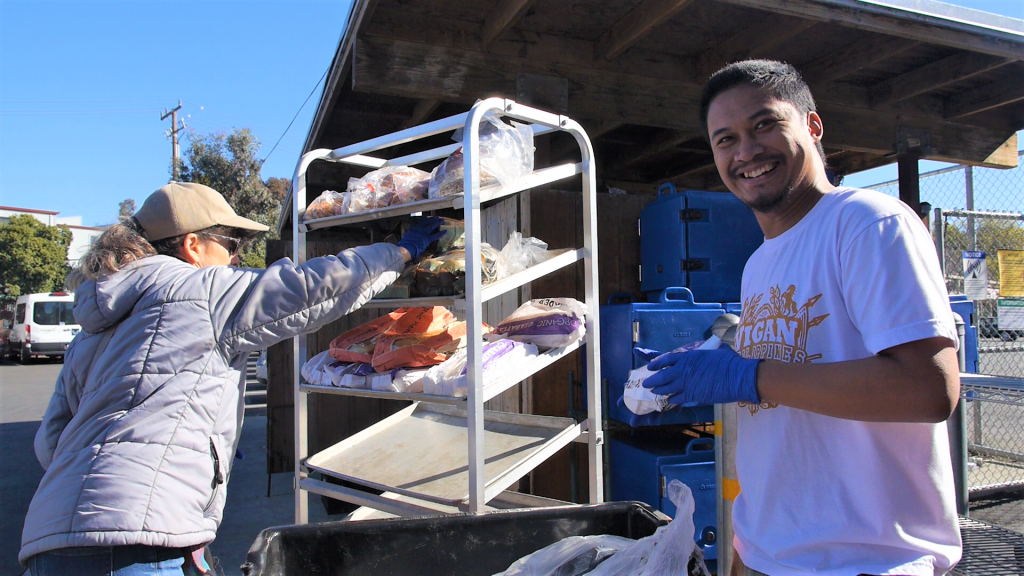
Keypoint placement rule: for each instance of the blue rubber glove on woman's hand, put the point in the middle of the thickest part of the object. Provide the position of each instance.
(424, 232)
(701, 377)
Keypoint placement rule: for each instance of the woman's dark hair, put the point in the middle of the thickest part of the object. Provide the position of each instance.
(779, 79)
(125, 242)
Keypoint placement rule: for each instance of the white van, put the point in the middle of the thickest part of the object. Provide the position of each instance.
(43, 325)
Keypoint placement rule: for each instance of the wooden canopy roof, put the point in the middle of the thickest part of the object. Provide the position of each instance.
(631, 72)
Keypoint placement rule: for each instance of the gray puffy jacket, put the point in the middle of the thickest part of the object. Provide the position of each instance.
(139, 436)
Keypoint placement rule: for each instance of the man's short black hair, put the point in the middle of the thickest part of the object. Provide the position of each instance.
(781, 80)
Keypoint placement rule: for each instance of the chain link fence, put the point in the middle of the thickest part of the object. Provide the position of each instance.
(980, 210)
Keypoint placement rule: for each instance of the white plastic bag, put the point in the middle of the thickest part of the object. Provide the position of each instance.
(498, 358)
(398, 380)
(313, 370)
(569, 557)
(668, 551)
(520, 253)
(546, 323)
(640, 400)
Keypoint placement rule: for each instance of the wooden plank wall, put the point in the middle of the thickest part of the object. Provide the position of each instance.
(553, 216)
(557, 218)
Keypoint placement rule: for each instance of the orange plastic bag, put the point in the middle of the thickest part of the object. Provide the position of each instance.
(358, 344)
(402, 352)
(421, 322)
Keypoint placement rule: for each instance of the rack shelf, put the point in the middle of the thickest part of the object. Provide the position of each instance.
(491, 388)
(491, 193)
(389, 455)
(561, 259)
(445, 451)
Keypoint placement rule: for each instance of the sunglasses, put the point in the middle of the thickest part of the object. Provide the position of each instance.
(234, 246)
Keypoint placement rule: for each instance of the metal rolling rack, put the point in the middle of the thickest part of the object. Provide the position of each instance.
(456, 454)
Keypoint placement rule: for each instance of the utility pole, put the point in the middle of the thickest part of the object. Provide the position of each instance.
(173, 135)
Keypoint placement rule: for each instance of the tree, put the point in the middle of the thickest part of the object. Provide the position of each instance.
(33, 256)
(228, 163)
(125, 210)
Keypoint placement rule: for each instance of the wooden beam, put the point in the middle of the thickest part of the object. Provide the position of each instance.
(595, 129)
(875, 132)
(410, 69)
(439, 30)
(639, 21)
(503, 16)
(959, 66)
(421, 111)
(903, 23)
(869, 50)
(659, 145)
(750, 42)
(417, 70)
(987, 97)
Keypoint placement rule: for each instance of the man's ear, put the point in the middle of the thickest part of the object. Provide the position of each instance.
(190, 248)
(814, 126)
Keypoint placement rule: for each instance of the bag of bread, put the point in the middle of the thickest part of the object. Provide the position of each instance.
(445, 275)
(329, 203)
(398, 352)
(357, 344)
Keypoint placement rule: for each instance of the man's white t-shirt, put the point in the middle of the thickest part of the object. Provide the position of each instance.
(857, 275)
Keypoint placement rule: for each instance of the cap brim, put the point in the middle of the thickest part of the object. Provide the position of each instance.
(243, 223)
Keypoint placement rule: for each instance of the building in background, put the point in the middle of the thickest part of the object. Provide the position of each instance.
(81, 236)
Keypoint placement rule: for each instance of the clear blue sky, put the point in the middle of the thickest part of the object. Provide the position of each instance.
(82, 85)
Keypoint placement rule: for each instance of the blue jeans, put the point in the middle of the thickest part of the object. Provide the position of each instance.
(114, 561)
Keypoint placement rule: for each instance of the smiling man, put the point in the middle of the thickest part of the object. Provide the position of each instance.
(846, 361)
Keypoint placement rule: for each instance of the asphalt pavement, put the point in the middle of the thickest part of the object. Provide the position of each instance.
(24, 394)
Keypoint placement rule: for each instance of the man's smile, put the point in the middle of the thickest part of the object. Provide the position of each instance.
(759, 171)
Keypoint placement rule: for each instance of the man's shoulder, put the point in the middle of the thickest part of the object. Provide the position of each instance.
(867, 203)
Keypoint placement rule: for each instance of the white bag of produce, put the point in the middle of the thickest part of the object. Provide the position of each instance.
(498, 358)
(546, 323)
(641, 400)
(398, 380)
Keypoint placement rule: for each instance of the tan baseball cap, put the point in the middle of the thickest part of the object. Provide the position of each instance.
(182, 207)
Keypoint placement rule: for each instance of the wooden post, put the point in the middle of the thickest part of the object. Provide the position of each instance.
(910, 181)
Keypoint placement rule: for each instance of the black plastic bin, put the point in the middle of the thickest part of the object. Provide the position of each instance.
(461, 544)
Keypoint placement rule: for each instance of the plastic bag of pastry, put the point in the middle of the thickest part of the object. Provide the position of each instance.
(520, 253)
(546, 322)
(498, 359)
(445, 275)
(389, 186)
(403, 287)
(359, 198)
(328, 203)
(506, 156)
(454, 236)
(357, 344)
(403, 352)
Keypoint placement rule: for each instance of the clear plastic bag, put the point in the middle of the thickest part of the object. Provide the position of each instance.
(445, 275)
(387, 186)
(520, 253)
(670, 550)
(569, 557)
(328, 203)
(506, 155)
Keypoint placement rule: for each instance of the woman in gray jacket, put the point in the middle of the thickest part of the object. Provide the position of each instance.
(138, 438)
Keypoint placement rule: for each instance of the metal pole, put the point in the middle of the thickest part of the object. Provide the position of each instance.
(956, 427)
(910, 181)
(972, 233)
(940, 240)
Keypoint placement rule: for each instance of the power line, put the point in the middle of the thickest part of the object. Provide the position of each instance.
(296, 115)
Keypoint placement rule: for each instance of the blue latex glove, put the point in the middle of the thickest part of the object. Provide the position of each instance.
(640, 420)
(705, 377)
(423, 233)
